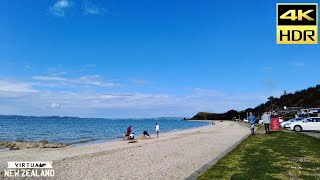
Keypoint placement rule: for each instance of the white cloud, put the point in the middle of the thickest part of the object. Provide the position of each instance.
(15, 87)
(91, 9)
(93, 80)
(12, 89)
(29, 101)
(58, 73)
(104, 104)
(27, 67)
(55, 106)
(60, 7)
(48, 78)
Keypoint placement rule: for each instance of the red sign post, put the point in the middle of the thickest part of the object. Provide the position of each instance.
(275, 124)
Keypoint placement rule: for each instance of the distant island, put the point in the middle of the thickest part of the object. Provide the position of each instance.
(307, 98)
(36, 117)
(74, 118)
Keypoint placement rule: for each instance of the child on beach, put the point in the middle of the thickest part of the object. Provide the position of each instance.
(131, 137)
(145, 133)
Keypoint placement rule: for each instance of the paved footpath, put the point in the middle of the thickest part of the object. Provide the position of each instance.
(313, 134)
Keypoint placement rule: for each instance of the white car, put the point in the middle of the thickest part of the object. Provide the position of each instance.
(307, 124)
(280, 119)
(286, 124)
(245, 120)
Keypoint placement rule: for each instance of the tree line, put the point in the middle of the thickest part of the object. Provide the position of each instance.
(304, 98)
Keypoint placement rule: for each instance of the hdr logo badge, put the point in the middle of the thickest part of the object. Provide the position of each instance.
(297, 23)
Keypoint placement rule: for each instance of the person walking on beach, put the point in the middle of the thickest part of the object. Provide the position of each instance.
(157, 129)
(266, 122)
(251, 120)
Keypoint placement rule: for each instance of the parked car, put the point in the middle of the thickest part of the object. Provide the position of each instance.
(307, 124)
(245, 120)
(280, 119)
(286, 124)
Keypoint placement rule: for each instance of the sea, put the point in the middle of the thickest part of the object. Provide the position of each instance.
(77, 131)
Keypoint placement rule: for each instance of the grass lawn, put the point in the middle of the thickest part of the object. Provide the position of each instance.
(279, 155)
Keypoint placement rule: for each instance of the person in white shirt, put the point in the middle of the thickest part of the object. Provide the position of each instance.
(266, 122)
(131, 136)
(157, 129)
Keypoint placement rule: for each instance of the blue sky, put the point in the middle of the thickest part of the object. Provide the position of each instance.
(124, 58)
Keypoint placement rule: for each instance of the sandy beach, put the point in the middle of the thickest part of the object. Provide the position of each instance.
(174, 155)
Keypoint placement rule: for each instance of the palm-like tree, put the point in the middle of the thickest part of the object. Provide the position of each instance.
(271, 98)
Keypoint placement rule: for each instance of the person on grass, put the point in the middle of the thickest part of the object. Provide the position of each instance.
(266, 122)
(251, 120)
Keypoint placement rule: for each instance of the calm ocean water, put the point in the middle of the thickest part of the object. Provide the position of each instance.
(77, 131)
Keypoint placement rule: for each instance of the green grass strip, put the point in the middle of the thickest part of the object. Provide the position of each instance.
(279, 155)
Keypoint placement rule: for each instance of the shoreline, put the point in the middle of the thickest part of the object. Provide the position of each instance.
(174, 155)
(101, 141)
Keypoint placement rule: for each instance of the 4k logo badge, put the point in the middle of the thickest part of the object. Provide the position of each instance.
(297, 23)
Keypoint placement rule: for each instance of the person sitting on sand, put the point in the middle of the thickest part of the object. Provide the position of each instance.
(145, 133)
(131, 137)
